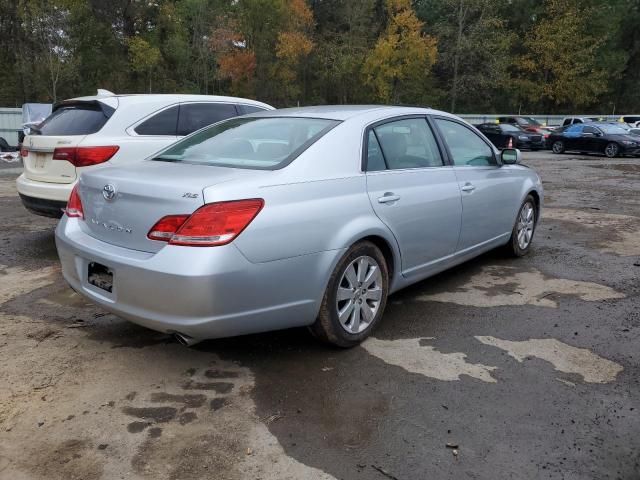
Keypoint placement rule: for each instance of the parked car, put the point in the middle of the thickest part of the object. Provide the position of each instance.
(84, 132)
(608, 138)
(506, 135)
(571, 120)
(631, 120)
(297, 217)
(528, 124)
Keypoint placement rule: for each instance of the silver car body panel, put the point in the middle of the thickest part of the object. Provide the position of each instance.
(275, 273)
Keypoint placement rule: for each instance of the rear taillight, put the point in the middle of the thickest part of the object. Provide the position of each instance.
(74, 205)
(85, 156)
(211, 225)
(24, 152)
(164, 229)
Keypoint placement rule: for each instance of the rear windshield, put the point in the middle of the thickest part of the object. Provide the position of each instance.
(253, 142)
(510, 128)
(74, 120)
(613, 129)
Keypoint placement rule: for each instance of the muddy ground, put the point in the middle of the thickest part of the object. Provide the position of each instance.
(499, 369)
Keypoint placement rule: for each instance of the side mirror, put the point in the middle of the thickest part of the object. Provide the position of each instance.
(510, 156)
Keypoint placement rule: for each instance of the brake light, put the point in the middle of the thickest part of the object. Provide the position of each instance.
(24, 152)
(74, 205)
(164, 229)
(211, 225)
(85, 156)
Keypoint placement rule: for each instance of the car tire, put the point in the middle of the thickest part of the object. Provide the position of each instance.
(347, 292)
(523, 229)
(612, 150)
(558, 147)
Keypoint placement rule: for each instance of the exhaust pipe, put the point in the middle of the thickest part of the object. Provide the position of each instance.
(185, 340)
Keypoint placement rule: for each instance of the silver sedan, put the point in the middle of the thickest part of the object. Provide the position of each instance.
(298, 217)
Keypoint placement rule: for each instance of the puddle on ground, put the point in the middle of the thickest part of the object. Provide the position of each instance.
(563, 357)
(66, 298)
(16, 281)
(499, 286)
(415, 357)
(620, 233)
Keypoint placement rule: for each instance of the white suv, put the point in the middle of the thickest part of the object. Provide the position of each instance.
(87, 131)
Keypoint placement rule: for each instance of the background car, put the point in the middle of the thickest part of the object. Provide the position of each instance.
(528, 124)
(631, 120)
(87, 131)
(506, 135)
(608, 138)
(297, 217)
(571, 120)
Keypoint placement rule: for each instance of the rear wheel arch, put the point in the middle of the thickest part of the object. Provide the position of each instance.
(386, 250)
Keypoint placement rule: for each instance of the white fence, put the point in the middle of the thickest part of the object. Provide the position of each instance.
(549, 120)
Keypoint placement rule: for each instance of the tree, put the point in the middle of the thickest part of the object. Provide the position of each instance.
(143, 57)
(560, 65)
(402, 58)
(473, 51)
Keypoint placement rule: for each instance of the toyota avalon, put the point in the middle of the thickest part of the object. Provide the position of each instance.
(298, 217)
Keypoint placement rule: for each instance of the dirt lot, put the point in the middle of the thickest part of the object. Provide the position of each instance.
(499, 369)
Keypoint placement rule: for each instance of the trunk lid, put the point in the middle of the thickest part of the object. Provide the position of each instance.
(144, 193)
(39, 164)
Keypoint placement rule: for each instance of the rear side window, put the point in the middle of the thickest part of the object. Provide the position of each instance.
(74, 120)
(408, 143)
(246, 109)
(163, 123)
(194, 116)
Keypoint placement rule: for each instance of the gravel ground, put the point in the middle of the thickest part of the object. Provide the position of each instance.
(498, 369)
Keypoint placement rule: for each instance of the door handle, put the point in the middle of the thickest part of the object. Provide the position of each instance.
(388, 198)
(468, 187)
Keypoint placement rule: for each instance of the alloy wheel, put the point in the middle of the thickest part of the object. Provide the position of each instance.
(611, 150)
(359, 294)
(526, 224)
(558, 147)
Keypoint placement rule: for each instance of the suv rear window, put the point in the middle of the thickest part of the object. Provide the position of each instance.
(75, 119)
(249, 142)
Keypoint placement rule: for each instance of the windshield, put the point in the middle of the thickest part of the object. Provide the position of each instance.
(264, 143)
(510, 128)
(613, 129)
(531, 121)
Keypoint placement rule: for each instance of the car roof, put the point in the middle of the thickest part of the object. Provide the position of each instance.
(345, 112)
(168, 97)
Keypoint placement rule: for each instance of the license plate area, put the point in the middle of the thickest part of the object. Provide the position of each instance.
(100, 276)
(40, 160)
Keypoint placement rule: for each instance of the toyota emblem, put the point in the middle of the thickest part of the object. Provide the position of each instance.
(109, 192)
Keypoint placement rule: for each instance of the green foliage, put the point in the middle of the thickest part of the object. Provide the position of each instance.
(557, 56)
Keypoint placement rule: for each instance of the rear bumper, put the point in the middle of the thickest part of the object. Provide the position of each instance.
(43, 207)
(527, 144)
(199, 292)
(58, 192)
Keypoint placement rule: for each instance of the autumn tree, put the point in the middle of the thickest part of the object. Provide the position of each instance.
(402, 58)
(560, 64)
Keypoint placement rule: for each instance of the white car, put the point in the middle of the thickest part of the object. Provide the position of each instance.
(572, 120)
(84, 132)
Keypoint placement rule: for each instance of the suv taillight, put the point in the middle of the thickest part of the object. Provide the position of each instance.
(85, 156)
(211, 225)
(74, 205)
(24, 153)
